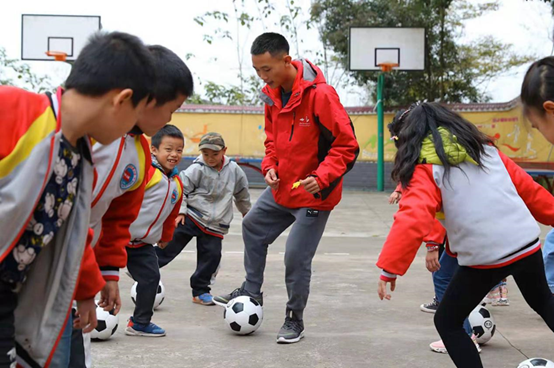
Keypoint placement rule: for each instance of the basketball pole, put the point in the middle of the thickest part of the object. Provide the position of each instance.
(385, 68)
(380, 133)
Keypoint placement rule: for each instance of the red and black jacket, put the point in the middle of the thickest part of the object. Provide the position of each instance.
(311, 136)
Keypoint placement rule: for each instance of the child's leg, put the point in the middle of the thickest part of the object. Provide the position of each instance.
(442, 277)
(62, 355)
(467, 288)
(260, 227)
(181, 237)
(7, 325)
(208, 249)
(142, 263)
(529, 276)
(548, 251)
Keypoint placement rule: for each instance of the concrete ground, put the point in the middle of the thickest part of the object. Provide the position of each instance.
(346, 323)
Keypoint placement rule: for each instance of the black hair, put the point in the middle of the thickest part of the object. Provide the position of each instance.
(167, 131)
(414, 125)
(274, 43)
(114, 60)
(538, 85)
(173, 77)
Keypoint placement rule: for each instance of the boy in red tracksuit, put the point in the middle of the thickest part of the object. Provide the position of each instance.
(46, 177)
(310, 146)
(120, 181)
(154, 224)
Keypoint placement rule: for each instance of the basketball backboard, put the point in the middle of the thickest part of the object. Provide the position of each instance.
(61, 33)
(369, 47)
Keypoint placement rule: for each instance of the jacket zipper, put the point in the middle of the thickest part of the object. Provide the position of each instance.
(292, 125)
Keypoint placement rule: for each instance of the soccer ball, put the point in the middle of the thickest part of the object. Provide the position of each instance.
(107, 324)
(160, 294)
(243, 315)
(536, 362)
(482, 323)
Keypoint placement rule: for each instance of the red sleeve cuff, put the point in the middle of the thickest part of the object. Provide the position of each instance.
(110, 275)
(385, 276)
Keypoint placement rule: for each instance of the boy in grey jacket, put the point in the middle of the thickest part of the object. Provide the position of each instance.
(209, 185)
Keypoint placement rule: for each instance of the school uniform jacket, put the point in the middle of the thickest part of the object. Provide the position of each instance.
(311, 136)
(121, 169)
(160, 207)
(30, 141)
(489, 214)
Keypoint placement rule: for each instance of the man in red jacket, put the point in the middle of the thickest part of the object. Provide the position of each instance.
(310, 146)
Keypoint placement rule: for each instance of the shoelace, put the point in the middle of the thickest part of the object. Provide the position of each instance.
(236, 292)
(293, 325)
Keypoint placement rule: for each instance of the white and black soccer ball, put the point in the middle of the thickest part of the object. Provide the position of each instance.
(536, 362)
(160, 294)
(243, 315)
(107, 324)
(482, 323)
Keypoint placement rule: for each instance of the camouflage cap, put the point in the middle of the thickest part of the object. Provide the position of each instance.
(213, 141)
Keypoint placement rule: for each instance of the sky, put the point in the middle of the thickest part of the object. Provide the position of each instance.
(526, 24)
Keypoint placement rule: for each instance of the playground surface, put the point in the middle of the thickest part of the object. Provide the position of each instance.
(346, 323)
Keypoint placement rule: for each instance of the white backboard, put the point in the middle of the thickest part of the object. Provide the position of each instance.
(370, 46)
(65, 33)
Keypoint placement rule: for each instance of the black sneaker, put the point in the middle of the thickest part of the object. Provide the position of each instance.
(222, 300)
(291, 332)
(430, 307)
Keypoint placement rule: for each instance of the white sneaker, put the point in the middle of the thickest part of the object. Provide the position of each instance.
(438, 346)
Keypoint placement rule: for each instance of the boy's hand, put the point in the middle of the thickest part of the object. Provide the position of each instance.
(85, 315)
(382, 289)
(180, 219)
(310, 185)
(271, 179)
(432, 261)
(162, 244)
(109, 297)
(395, 197)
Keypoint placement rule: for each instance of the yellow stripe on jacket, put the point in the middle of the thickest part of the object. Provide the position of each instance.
(155, 179)
(43, 126)
(142, 161)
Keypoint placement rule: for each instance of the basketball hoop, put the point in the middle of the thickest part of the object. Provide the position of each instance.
(58, 55)
(387, 67)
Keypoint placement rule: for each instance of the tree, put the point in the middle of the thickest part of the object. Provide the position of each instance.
(237, 27)
(455, 72)
(15, 73)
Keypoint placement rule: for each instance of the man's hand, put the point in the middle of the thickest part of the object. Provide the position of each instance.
(85, 316)
(109, 297)
(179, 220)
(395, 197)
(382, 289)
(310, 185)
(432, 261)
(271, 179)
(162, 244)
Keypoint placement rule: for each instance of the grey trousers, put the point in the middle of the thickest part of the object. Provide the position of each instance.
(262, 225)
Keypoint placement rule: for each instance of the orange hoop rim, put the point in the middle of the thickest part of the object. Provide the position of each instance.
(387, 67)
(58, 55)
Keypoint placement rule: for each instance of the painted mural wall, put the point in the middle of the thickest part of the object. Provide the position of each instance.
(243, 130)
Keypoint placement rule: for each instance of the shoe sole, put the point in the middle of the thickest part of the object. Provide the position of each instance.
(439, 351)
(202, 303)
(132, 332)
(444, 351)
(282, 340)
(427, 310)
(220, 303)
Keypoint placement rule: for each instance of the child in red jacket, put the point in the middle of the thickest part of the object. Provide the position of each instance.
(154, 224)
(445, 163)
